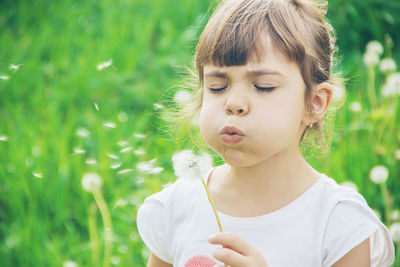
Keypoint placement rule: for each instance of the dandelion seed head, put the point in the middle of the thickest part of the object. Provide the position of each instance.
(109, 125)
(371, 59)
(395, 216)
(395, 232)
(379, 174)
(91, 182)
(375, 47)
(355, 106)
(182, 96)
(387, 65)
(3, 138)
(189, 166)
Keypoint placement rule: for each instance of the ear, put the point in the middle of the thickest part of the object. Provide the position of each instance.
(319, 102)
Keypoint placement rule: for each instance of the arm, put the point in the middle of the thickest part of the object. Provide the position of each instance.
(357, 257)
(154, 261)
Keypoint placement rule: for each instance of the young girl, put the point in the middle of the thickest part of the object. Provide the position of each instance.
(264, 68)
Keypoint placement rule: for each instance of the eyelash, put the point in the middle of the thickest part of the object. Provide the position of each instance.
(262, 89)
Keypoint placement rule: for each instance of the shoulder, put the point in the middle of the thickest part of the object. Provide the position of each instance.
(350, 221)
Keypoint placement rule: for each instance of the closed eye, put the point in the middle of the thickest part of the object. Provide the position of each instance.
(264, 89)
(217, 90)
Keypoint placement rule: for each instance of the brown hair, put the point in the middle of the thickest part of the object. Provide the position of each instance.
(297, 29)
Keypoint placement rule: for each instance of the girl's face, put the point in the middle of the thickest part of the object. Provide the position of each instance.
(254, 112)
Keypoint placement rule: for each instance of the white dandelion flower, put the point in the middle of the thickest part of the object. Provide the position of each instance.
(349, 184)
(397, 154)
(14, 68)
(355, 106)
(157, 106)
(69, 264)
(124, 171)
(112, 156)
(370, 59)
(375, 47)
(82, 132)
(96, 106)
(115, 165)
(122, 116)
(125, 149)
(182, 96)
(91, 162)
(104, 65)
(387, 65)
(3, 138)
(189, 166)
(395, 232)
(38, 175)
(91, 182)
(4, 77)
(78, 150)
(109, 125)
(379, 174)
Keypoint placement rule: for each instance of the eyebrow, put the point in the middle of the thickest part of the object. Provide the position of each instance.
(220, 74)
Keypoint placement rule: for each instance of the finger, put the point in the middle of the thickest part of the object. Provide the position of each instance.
(230, 257)
(231, 241)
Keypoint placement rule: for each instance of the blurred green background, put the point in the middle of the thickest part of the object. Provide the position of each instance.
(63, 115)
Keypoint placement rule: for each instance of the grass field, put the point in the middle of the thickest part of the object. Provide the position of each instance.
(82, 86)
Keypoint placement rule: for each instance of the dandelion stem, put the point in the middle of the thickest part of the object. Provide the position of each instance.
(212, 205)
(387, 202)
(108, 234)
(93, 233)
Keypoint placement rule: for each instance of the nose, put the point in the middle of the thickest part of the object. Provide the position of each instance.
(236, 104)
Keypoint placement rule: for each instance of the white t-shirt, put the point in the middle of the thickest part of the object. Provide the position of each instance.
(316, 229)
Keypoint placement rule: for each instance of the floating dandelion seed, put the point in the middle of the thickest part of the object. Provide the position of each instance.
(379, 174)
(397, 154)
(157, 106)
(115, 260)
(139, 152)
(104, 65)
(123, 249)
(139, 180)
(112, 156)
(140, 136)
(126, 149)
(14, 68)
(122, 143)
(395, 232)
(148, 167)
(4, 77)
(69, 264)
(96, 106)
(120, 203)
(115, 166)
(182, 96)
(122, 116)
(36, 151)
(3, 138)
(78, 150)
(91, 182)
(38, 175)
(82, 132)
(124, 171)
(91, 162)
(109, 125)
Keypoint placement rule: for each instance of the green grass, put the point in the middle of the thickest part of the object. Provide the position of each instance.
(45, 221)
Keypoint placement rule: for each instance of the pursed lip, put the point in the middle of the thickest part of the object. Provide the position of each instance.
(232, 131)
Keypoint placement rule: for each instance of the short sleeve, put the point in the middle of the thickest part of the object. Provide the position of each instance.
(351, 223)
(151, 226)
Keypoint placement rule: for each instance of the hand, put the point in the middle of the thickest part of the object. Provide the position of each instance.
(236, 251)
